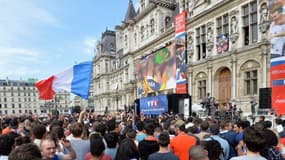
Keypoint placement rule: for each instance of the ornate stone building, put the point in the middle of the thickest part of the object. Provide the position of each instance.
(227, 50)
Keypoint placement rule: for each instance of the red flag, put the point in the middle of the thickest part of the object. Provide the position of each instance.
(45, 88)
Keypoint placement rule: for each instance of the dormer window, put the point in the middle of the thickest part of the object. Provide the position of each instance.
(142, 2)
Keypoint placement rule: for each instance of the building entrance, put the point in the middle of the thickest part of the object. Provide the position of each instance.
(224, 86)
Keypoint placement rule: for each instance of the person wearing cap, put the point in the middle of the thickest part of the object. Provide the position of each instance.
(163, 153)
(181, 144)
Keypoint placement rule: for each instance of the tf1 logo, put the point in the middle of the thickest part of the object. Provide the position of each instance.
(152, 103)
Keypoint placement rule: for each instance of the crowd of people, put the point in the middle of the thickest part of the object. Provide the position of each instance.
(89, 136)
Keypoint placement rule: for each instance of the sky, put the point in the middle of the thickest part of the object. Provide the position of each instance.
(39, 38)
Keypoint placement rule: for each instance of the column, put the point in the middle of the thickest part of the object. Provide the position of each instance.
(190, 87)
(210, 79)
(234, 75)
(264, 66)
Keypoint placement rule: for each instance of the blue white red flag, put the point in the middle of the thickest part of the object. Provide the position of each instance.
(75, 79)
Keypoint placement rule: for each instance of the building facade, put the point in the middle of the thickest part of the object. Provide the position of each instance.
(227, 51)
(22, 97)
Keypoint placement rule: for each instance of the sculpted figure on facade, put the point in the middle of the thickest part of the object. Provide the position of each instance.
(210, 35)
(190, 48)
(264, 16)
(234, 25)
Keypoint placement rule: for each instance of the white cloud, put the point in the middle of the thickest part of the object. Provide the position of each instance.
(89, 45)
(19, 18)
(18, 62)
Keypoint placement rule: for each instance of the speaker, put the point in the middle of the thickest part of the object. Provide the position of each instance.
(264, 98)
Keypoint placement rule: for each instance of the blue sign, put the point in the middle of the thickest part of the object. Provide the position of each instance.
(154, 105)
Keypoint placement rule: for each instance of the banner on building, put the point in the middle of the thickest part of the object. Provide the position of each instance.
(156, 105)
(222, 43)
(277, 74)
(277, 27)
(181, 57)
(277, 51)
(157, 71)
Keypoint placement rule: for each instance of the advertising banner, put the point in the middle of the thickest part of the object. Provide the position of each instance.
(277, 51)
(156, 105)
(157, 71)
(277, 73)
(181, 57)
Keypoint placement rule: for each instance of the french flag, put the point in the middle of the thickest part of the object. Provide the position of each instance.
(75, 80)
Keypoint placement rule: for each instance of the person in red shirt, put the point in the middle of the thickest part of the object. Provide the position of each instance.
(181, 144)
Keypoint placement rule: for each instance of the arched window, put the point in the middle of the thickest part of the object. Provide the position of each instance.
(167, 21)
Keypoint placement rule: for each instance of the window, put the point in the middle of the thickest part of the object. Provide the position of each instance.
(13, 111)
(20, 111)
(5, 105)
(152, 29)
(251, 82)
(167, 22)
(20, 106)
(142, 4)
(106, 66)
(249, 19)
(201, 42)
(13, 105)
(201, 89)
(223, 25)
(135, 38)
(126, 41)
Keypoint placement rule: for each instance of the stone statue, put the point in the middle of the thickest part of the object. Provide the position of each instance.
(234, 25)
(264, 13)
(210, 35)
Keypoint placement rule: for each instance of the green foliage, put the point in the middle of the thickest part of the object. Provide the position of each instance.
(76, 109)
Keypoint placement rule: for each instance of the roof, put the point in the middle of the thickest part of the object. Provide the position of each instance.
(131, 13)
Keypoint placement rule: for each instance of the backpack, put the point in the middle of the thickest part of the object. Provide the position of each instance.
(233, 152)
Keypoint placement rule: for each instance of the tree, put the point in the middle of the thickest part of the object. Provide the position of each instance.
(76, 109)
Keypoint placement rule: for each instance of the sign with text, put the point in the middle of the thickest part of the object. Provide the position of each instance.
(156, 105)
(181, 57)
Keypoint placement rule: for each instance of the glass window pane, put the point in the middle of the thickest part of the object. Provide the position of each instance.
(203, 29)
(245, 21)
(226, 19)
(226, 29)
(254, 18)
(254, 73)
(253, 7)
(245, 10)
(254, 33)
(247, 75)
(255, 86)
(247, 87)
